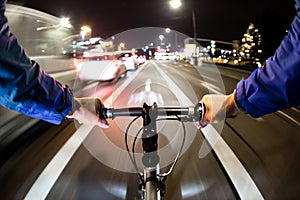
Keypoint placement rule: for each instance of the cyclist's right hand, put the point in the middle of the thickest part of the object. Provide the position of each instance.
(88, 111)
(218, 107)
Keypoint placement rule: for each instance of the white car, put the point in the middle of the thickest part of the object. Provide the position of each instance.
(129, 60)
(101, 69)
(141, 59)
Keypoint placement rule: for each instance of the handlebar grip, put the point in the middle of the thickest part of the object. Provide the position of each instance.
(111, 113)
(195, 115)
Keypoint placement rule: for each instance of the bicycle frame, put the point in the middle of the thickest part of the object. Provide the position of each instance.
(152, 185)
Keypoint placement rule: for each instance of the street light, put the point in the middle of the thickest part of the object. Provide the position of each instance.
(168, 30)
(64, 23)
(175, 4)
(161, 37)
(84, 31)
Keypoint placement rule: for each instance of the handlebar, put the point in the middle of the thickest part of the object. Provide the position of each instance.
(150, 181)
(193, 113)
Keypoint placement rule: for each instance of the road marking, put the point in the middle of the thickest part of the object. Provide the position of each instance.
(295, 109)
(46, 180)
(43, 184)
(289, 117)
(239, 176)
(119, 90)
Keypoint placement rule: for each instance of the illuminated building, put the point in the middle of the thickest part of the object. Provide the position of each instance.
(251, 53)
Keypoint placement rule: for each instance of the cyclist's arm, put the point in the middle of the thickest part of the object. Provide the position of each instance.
(276, 85)
(268, 89)
(24, 87)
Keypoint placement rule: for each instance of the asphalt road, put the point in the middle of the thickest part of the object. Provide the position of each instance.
(99, 167)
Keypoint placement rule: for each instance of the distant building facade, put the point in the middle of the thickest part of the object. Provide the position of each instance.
(251, 47)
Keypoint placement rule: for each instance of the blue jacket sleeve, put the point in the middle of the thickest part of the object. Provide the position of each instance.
(276, 86)
(24, 86)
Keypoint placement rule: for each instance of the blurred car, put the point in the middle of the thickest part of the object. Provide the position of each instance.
(129, 60)
(102, 68)
(141, 59)
(164, 54)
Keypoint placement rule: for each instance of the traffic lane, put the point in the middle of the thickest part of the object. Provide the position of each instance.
(186, 74)
(213, 79)
(21, 170)
(270, 151)
(58, 135)
(267, 146)
(216, 180)
(149, 71)
(87, 178)
(235, 171)
(211, 75)
(17, 132)
(193, 178)
(13, 132)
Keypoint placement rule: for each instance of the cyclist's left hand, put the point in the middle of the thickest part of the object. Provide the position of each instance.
(88, 111)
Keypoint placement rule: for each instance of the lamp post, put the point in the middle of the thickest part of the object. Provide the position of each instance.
(194, 25)
(175, 4)
(161, 37)
(169, 31)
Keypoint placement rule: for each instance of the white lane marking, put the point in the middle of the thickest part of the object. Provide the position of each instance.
(239, 176)
(182, 98)
(289, 117)
(212, 88)
(259, 119)
(295, 109)
(42, 186)
(50, 174)
(122, 87)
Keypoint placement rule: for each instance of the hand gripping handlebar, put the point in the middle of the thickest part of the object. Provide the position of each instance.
(194, 113)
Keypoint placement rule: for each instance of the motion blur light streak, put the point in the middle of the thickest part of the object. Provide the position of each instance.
(118, 189)
(107, 17)
(188, 190)
(103, 93)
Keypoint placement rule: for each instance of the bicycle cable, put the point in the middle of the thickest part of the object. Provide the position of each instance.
(127, 148)
(132, 157)
(164, 175)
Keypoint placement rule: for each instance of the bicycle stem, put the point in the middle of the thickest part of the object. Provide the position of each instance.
(150, 158)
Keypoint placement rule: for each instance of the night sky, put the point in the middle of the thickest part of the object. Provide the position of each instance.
(216, 19)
